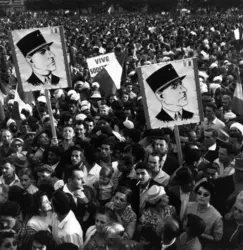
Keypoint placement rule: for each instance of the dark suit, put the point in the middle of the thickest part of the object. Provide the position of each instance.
(170, 165)
(211, 155)
(34, 80)
(165, 117)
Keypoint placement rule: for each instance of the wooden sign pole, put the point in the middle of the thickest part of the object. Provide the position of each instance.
(178, 144)
(48, 102)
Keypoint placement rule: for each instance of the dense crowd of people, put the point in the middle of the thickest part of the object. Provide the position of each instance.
(107, 181)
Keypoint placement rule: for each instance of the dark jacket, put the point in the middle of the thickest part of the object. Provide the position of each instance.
(170, 165)
(34, 80)
(165, 117)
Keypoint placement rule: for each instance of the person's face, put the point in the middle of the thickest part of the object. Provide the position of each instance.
(25, 128)
(238, 214)
(77, 181)
(80, 131)
(209, 140)
(209, 113)
(43, 61)
(120, 201)
(164, 202)
(52, 158)
(13, 127)
(6, 137)
(104, 180)
(43, 175)
(103, 111)
(161, 146)
(100, 221)
(25, 181)
(105, 150)
(203, 196)
(9, 244)
(38, 246)
(8, 170)
(154, 163)
(72, 108)
(174, 96)
(129, 88)
(17, 147)
(142, 175)
(8, 222)
(223, 156)
(193, 136)
(96, 119)
(225, 103)
(76, 157)
(44, 140)
(125, 97)
(45, 204)
(89, 126)
(68, 133)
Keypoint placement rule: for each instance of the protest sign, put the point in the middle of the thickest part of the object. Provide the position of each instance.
(96, 64)
(40, 58)
(171, 93)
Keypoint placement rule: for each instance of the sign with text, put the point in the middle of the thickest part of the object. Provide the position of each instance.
(97, 63)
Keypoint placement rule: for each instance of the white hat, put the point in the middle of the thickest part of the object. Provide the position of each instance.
(155, 193)
(59, 184)
(241, 62)
(96, 94)
(237, 125)
(10, 121)
(166, 59)
(218, 79)
(41, 99)
(128, 124)
(11, 101)
(85, 86)
(205, 41)
(193, 33)
(75, 97)
(132, 73)
(205, 56)
(22, 117)
(203, 87)
(213, 65)
(222, 44)
(214, 86)
(84, 108)
(95, 84)
(212, 29)
(229, 116)
(80, 117)
(28, 108)
(203, 74)
(71, 92)
(58, 93)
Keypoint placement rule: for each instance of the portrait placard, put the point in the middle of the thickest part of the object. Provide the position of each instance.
(171, 93)
(97, 63)
(40, 58)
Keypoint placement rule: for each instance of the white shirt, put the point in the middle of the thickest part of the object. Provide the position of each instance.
(15, 182)
(92, 176)
(213, 147)
(68, 230)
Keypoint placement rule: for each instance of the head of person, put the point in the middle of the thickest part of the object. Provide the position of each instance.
(41, 203)
(68, 132)
(161, 145)
(80, 129)
(104, 110)
(238, 209)
(77, 157)
(26, 177)
(53, 155)
(6, 137)
(154, 161)
(72, 108)
(107, 146)
(43, 140)
(89, 124)
(169, 90)
(106, 174)
(170, 231)
(75, 178)
(125, 163)
(113, 229)
(4, 190)
(122, 198)
(8, 169)
(205, 190)
(227, 152)
(67, 119)
(12, 126)
(44, 172)
(37, 53)
(210, 137)
(61, 203)
(104, 216)
(9, 214)
(236, 128)
(184, 179)
(226, 102)
(191, 153)
(210, 110)
(236, 139)
(42, 240)
(90, 155)
(195, 225)
(125, 96)
(7, 240)
(143, 173)
(157, 197)
(17, 145)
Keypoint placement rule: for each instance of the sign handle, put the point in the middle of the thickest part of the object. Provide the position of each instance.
(178, 144)
(48, 102)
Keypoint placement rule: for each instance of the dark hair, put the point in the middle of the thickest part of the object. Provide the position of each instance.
(109, 142)
(237, 136)
(127, 191)
(137, 151)
(155, 154)
(10, 208)
(126, 159)
(88, 119)
(5, 235)
(108, 212)
(37, 200)
(61, 202)
(79, 123)
(170, 229)
(55, 150)
(44, 238)
(196, 225)
(207, 186)
(69, 173)
(26, 171)
(67, 246)
(76, 148)
(230, 148)
(90, 154)
(68, 126)
(106, 171)
(143, 165)
(212, 105)
(213, 131)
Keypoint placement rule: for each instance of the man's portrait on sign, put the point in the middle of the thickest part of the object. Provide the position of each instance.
(41, 58)
(170, 93)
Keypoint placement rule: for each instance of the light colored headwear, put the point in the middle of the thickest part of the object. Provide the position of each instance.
(213, 87)
(218, 79)
(71, 92)
(96, 94)
(11, 101)
(155, 193)
(41, 99)
(10, 121)
(203, 74)
(85, 86)
(229, 116)
(213, 65)
(238, 126)
(58, 93)
(128, 124)
(75, 96)
(95, 85)
(80, 117)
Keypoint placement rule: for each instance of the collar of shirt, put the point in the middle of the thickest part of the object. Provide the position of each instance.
(211, 122)
(42, 78)
(62, 224)
(143, 190)
(213, 147)
(166, 246)
(95, 170)
(172, 114)
(16, 181)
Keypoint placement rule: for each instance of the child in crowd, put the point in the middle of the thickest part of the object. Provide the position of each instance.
(105, 186)
(27, 179)
(190, 239)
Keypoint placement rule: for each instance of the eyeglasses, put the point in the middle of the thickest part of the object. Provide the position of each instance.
(203, 194)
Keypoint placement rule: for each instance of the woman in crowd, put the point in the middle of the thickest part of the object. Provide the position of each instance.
(202, 208)
(121, 204)
(7, 240)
